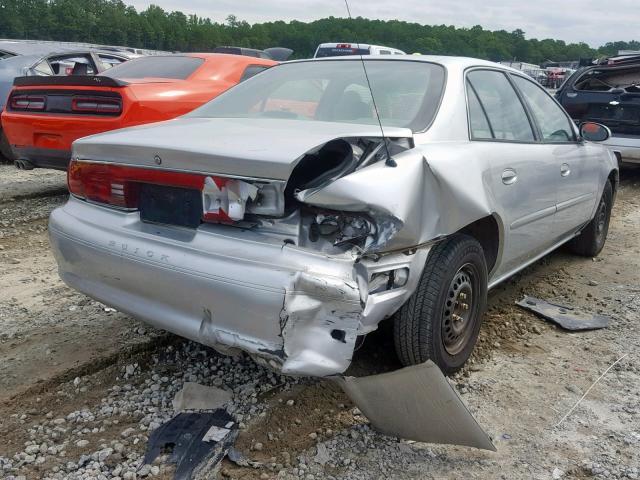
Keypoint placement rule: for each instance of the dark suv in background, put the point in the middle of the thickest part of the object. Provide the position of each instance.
(608, 93)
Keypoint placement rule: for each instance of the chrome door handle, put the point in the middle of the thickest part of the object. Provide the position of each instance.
(509, 176)
(565, 170)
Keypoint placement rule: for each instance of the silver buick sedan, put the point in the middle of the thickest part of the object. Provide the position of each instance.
(291, 215)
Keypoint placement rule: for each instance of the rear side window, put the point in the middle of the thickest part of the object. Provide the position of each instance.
(43, 68)
(109, 61)
(478, 122)
(252, 70)
(174, 67)
(609, 78)
(72, 65)
(554, 125)
(504, 112)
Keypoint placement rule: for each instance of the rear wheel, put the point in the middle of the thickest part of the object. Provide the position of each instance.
(5, 150)
(441, 320)
(591, 240)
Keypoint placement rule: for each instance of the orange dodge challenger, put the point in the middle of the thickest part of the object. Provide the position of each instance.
(44, 115)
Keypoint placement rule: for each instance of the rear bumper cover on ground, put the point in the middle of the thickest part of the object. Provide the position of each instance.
(297, 310)
(627, 147)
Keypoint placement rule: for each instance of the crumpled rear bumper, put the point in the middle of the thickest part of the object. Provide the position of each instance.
(297, 310)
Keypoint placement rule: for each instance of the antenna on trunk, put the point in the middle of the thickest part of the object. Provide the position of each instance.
(390, 161)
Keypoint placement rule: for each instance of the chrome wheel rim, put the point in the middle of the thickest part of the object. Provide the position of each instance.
(458, 313)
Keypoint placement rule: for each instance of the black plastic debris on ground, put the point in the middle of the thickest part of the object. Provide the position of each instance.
(567, 317)
(195, 440)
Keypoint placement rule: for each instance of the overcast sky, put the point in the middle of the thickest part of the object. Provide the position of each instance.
(593, 21)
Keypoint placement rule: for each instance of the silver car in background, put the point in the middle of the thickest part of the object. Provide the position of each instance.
(281, 220)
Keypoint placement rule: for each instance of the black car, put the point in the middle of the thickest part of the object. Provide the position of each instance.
(608, 92)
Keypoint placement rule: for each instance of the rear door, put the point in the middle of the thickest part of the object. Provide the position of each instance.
(523, 180)
(576, 167)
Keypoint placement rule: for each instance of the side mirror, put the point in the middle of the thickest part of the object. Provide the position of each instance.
(594, 132)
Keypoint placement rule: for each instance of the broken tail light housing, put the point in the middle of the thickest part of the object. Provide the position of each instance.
(223, 199)
(27, 103)
(96, 105)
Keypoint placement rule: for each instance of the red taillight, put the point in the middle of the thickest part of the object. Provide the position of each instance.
(102, 183)
(27, 102)
(119, 185)
(98, 105)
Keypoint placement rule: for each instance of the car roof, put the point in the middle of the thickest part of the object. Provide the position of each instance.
(230, 56)
(618, 60)
(447, 61)
(28, 48)
(52, 48)
(48, 47)
(219, 56)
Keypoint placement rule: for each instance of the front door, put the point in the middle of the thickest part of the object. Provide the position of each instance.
(576, 165)
(523, 180)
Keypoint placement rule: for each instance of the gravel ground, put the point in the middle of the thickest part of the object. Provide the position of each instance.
(82, 386)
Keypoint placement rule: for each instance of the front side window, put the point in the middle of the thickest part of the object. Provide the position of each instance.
(504, 112)
(407, 94)
(554, 125)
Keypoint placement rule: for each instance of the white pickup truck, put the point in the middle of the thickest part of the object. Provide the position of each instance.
(342, 49)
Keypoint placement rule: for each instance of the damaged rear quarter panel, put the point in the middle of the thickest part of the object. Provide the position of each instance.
(432, 192)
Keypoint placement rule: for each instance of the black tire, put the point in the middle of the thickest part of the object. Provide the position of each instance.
(591, 240)
(5, 150)
(425, 328)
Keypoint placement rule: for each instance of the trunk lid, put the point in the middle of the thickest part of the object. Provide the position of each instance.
(255, 148)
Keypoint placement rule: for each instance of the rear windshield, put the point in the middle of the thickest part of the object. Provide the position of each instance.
(340, 51)
(407, 93)
(175, 67)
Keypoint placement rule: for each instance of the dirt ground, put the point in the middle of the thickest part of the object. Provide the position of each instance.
(62, 353)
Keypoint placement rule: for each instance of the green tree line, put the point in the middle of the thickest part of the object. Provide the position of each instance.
(114, 22)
